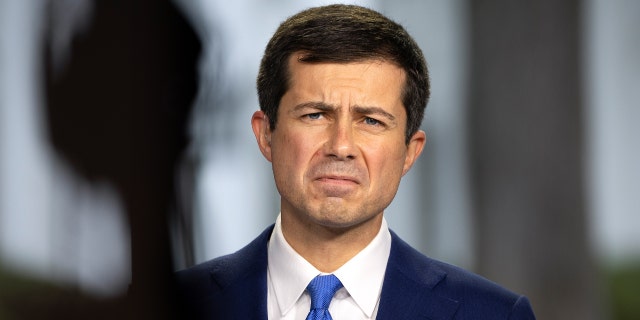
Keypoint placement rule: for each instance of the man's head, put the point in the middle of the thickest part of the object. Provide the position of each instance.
(346, 86)
(342, 34)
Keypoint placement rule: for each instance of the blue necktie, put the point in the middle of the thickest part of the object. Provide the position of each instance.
(322, 289)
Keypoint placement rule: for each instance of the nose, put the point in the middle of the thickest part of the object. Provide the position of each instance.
(341, 144)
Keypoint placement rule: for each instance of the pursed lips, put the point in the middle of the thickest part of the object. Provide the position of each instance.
(338, 179)
(336, 186)
(337, 174)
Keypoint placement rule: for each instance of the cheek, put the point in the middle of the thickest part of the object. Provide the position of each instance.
(292, 153)
(386, 166)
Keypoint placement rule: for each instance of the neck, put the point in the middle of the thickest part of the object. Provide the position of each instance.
(328, 248)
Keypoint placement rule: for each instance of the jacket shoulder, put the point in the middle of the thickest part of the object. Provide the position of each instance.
(207, 278)
(476, 296)
(480, 296)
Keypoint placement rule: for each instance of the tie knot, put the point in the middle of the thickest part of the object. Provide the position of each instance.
(322, 289)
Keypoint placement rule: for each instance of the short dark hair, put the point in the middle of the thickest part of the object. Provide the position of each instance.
(342, 34)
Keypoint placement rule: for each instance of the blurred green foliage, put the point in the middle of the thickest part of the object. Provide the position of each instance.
(624, 291)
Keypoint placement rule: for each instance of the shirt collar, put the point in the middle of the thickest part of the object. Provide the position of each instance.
(362, 276)
(290, 273)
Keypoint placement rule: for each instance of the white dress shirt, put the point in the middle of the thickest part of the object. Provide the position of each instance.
(289, 274)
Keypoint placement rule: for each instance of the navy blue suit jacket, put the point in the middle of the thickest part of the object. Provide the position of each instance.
(414, 287)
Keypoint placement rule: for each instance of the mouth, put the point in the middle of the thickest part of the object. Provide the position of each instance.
(338, 179)
(337, 186)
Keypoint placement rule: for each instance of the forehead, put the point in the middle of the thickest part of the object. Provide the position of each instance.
(368, 81)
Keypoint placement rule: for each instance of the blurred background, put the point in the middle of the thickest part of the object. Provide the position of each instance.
(126, 151)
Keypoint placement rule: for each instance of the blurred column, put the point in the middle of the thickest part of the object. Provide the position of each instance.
(526, 135)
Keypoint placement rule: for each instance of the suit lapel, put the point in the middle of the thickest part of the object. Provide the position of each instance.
(247, 299)
(407, 291)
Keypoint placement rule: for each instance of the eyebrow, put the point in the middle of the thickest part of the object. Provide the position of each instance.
(374, 110)
(366, 110)
(314, 105)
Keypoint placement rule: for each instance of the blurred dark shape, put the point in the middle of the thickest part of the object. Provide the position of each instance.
(119, 112)
(22, 298)
(526, 133)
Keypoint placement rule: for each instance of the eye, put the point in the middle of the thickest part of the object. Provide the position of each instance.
(372, 121)
(313, 116)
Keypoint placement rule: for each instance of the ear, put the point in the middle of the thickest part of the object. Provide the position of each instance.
(260, 125)
(414, 149)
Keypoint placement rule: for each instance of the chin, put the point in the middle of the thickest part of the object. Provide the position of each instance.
(342, 219)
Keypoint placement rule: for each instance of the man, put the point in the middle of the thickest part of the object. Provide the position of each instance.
(342, 93)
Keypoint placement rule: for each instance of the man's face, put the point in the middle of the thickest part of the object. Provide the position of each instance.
(338, 151)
